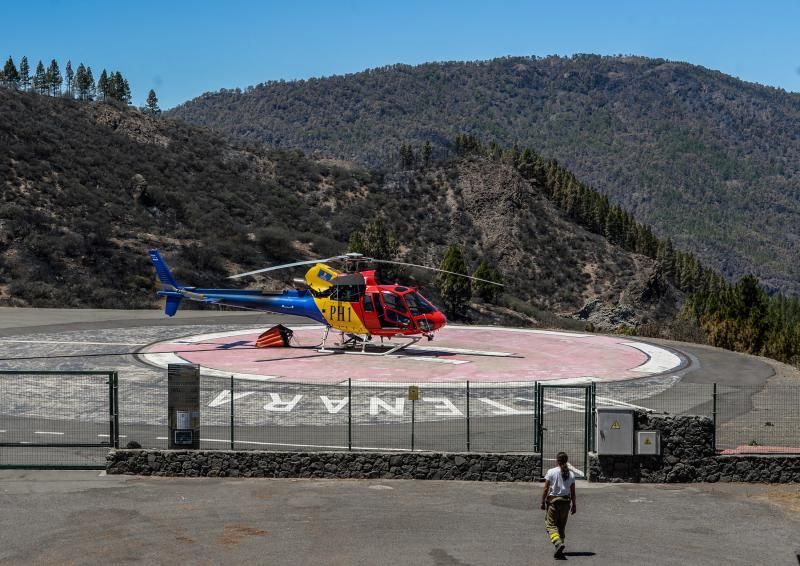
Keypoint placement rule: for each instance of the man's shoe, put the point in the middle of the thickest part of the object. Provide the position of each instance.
(559, 551)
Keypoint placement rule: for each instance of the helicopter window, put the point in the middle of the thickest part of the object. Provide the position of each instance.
(393, 301)
(368, 304)
(418, 305)
(349, 293)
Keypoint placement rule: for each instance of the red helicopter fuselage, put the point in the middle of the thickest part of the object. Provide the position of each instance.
(381, 310)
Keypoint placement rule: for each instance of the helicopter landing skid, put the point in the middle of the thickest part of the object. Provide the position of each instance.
(350, 345)
(394, 349)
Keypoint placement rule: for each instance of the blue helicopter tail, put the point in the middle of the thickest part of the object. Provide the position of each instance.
(165, 276)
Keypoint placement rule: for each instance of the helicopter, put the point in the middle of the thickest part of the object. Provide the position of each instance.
(352, 301)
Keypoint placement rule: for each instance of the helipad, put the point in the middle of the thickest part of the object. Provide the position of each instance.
(458, 354)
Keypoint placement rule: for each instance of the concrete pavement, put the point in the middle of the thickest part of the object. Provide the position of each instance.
(86, 518)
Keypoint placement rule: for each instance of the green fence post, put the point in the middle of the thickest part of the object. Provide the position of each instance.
(592, 411)
(468, 438)
(233, 444)
(714, 416)
(413, 403)
(116, 409)
(111, 408)
(349, 415)
(535, 416)
(587, 405)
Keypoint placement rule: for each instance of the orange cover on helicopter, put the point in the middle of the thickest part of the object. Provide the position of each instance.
(276, 337)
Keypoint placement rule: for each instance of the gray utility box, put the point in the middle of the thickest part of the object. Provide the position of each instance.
(614, 431)
(648, 442)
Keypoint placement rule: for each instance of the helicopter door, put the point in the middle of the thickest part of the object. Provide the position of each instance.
(376, 300)
(395, 314)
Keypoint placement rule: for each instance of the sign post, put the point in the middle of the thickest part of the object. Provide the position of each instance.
(413, 396)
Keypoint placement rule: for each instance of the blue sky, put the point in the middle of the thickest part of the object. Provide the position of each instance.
(182, 49)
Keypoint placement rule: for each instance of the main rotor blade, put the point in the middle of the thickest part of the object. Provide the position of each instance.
(440, 270)
(285, 266)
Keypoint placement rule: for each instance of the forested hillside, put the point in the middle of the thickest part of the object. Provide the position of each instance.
(708, 160)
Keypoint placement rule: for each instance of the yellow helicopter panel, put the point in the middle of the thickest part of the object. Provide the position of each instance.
(320, 277)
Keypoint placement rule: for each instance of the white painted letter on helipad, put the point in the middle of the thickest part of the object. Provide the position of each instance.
(500, 409)
(225, 397)
(444, 407)
(283, 406)
(375, 402)
(333, 406)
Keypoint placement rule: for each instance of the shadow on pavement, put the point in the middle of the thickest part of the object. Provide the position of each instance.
(568, 555)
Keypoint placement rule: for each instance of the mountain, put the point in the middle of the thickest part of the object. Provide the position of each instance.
(87, 188)
(707, 160)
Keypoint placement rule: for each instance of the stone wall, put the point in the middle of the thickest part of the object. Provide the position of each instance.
(688, 455)
(687, 443)
(417, 465)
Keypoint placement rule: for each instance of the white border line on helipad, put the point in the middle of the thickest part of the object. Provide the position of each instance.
(659, 360)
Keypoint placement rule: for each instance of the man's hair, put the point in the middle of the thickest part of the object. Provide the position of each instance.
(561, 458)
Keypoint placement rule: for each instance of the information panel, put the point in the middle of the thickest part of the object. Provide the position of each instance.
(183, 400)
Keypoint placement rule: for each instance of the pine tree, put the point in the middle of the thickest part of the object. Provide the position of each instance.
(10, 74)
(426, 153)
(152, 103)
(113, 88)
(379, 242)
(126, 92)
(84, 82)
(24, 74)
(40, 79)
(455, 290)
(102, 85)
(375, 240)
(69, 75)
(486, 291)
(90, 86)
(406, 156)
(55, 78)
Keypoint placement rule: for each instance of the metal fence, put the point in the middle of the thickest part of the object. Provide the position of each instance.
(758, 419)
(64, 419)
(69, 419)
(240, 414)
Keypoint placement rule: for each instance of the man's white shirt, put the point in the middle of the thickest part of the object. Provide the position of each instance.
(559, 487)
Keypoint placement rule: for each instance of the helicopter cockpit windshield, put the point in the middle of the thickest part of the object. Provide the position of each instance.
(417, 305)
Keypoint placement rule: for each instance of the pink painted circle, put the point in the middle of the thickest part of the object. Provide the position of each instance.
(458, 354)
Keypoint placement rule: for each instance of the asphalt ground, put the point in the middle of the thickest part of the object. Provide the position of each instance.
(86, 518)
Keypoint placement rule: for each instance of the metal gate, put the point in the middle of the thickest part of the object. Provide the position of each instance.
(58, 419)
(565, 422)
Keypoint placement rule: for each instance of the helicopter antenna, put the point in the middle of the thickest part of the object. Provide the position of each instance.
(440, 270)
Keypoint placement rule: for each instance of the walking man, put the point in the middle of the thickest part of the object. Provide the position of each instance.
(558, 499)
